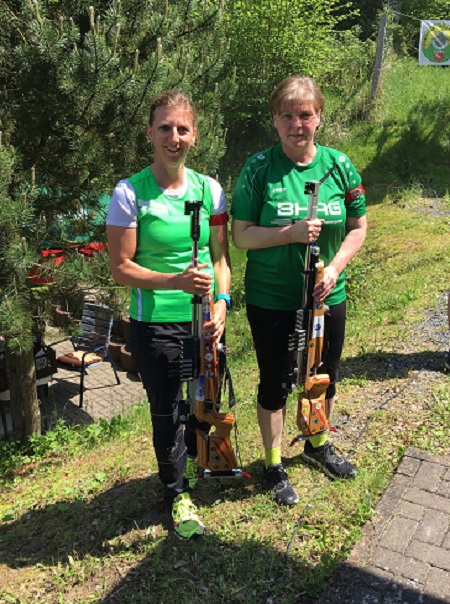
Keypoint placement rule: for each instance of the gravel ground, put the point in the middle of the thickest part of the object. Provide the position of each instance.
(406, 374)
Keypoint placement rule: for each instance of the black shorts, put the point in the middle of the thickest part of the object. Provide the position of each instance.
(271, 330)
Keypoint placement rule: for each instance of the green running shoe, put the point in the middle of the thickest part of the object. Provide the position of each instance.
(186, 523)
(191, 471)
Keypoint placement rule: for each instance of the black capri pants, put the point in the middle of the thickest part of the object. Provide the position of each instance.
(270, 331)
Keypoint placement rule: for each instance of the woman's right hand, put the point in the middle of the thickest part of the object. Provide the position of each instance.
(194, 280)
(306, 231)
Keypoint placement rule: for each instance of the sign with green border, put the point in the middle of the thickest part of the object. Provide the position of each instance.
(434, 45)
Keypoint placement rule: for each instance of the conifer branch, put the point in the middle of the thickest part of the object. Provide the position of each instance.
(186, 10)
(92, 20)
(203, 25)
(202, 75)
(158, 49)
(36, 11)
(185, 68)
(116, 39)
(8, 305)
(143, 96)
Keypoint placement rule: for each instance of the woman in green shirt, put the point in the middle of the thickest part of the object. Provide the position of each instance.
(150, 246)
(269, 211)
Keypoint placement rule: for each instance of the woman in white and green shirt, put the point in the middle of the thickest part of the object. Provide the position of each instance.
(150, 246)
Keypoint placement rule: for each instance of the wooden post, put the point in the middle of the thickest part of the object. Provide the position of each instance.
(378, 56)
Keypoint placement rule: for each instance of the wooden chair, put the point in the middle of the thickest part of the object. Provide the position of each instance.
(92, 343)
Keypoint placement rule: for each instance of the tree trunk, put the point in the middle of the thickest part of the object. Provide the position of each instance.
(25, 413)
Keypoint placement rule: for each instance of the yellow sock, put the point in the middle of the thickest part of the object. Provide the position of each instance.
(318, 441)
(272, 456)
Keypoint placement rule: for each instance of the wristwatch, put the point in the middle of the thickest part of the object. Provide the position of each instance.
(227, 299)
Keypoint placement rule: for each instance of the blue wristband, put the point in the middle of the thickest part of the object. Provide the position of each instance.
(227, 299)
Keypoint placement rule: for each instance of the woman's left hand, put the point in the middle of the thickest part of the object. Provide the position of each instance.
(324, 288)
(216, 326)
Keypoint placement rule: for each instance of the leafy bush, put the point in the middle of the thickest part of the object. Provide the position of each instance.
(273, 40)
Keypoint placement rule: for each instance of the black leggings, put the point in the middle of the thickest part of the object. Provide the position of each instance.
(154, 346)
(271, 330)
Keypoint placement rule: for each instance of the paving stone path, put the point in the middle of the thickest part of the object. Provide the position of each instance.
(404, 556)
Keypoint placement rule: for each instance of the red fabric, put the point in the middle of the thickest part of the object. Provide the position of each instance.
(354, 194)
(58, 255)
(92, 249)
(218, 219)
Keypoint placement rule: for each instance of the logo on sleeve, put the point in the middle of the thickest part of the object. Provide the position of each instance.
(354, 194)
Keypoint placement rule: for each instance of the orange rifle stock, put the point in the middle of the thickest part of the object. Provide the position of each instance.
(311, 413)
(215, 451)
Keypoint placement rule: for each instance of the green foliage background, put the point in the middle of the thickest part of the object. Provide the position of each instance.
(271, 41)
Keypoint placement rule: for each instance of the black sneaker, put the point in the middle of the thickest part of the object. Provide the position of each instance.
(277, 481)
(447, 364)
(326, 459)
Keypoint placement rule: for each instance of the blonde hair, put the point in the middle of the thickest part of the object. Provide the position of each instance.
(173, 98)
(296, 89)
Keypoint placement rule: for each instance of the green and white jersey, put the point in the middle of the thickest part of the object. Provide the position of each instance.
(270, 193)
(164, 241)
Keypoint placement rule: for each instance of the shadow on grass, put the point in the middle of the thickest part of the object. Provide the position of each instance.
(48, 534)
(126, 530)
(419, 155)
(124, 534)
(378, 367)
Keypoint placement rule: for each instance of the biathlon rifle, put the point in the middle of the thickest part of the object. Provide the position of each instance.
(308, 343)
(201, 362)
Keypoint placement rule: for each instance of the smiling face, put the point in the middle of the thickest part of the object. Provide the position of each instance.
(172, 133)
(296, 124)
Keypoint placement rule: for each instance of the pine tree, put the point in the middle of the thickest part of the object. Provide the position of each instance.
(76, 85)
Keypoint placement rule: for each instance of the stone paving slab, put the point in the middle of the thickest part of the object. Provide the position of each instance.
(103, 398)
(404, 555)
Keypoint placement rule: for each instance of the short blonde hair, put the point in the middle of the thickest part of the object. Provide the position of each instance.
(173, 98)
(296, 89)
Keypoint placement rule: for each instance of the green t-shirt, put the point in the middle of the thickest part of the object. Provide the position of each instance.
(164, 244)
(270, 192)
